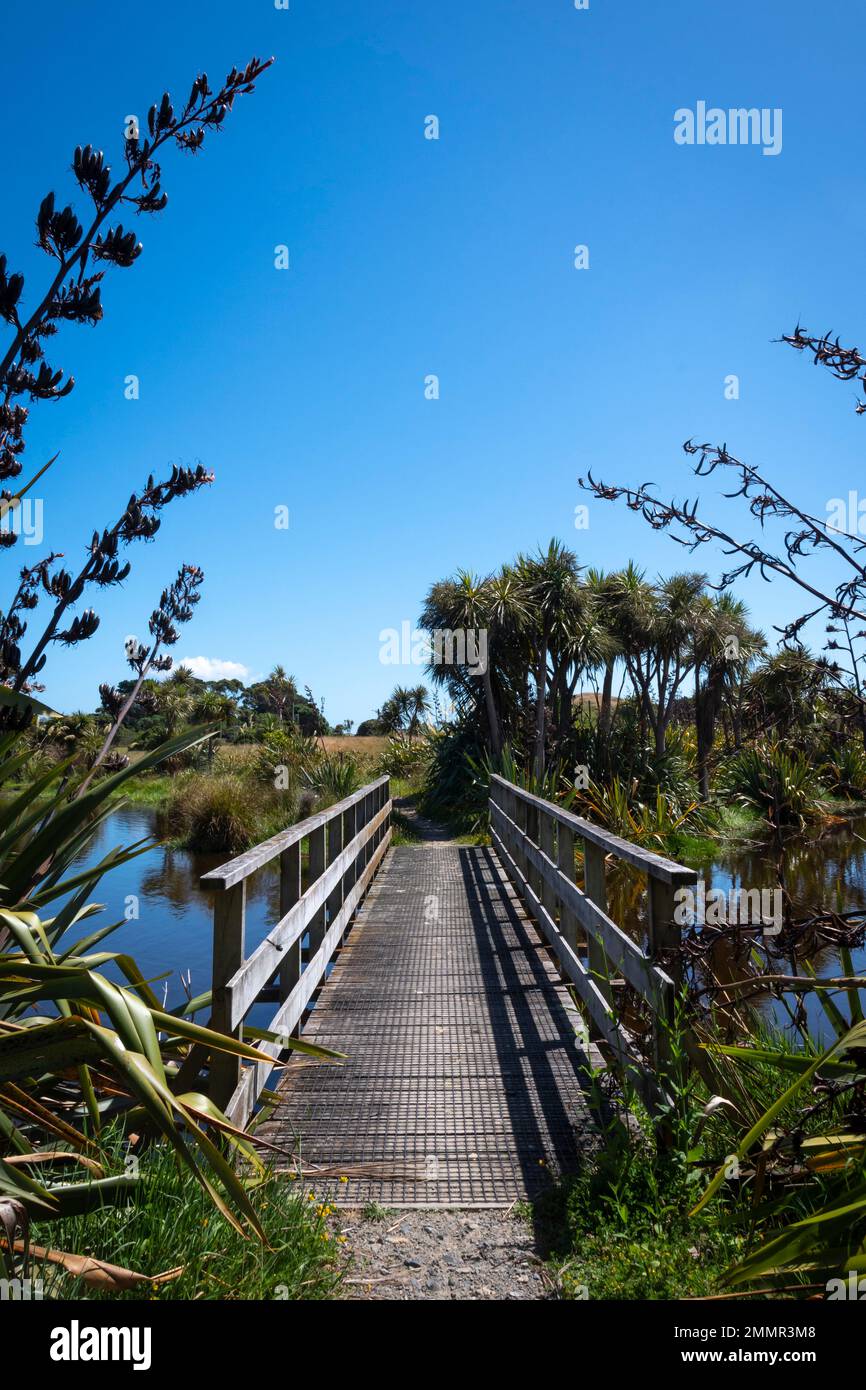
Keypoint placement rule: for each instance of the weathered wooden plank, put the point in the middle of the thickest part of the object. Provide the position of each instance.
(547, 844)
(290, 893)
(228, 952)
(598, 1006)
(565, 862)
(664, 938)
(595, 889)
(465, 1082)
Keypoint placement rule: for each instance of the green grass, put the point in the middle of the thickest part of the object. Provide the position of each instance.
(172, 1223)
(405, 786)
(225, 811)
(739, 821)
(152, 789)
(620, 1230)
(374, 1211)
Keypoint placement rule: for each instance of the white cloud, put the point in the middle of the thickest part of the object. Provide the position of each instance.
(211, 668)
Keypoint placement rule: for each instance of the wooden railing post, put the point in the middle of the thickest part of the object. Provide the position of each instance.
(336, 842)
(664, 934)
(507, 802)
(533, 877)
(547, 844)
(228, 956)
(570, 915)
(364, 813)
(322, 909)
(318, 861)
(351, 826)
(663, 938)
(521, 817)
(596, 891)
(565, 861)
(290, 893)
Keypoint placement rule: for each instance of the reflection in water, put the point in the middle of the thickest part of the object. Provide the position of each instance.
(172, 933)
(825, 869)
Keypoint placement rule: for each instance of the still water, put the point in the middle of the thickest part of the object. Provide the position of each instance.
(824, 870)
(167, 918)
(171, 936)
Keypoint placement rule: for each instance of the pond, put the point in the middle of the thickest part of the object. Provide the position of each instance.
(825, 869)
(170, 937)
(167, 918)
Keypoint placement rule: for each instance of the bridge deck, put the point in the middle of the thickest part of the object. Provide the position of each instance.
(464, 1084)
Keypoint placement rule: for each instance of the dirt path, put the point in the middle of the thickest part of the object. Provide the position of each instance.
(434, 1255)
(428, 831)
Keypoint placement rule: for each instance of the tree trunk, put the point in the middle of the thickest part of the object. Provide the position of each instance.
(564, 704)
(606, 712)
(708, 702)
(703, 770)
(661, 725)
(540, 692)
(492, 716)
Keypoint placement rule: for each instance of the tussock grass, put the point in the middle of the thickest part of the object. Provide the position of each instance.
(224, 811)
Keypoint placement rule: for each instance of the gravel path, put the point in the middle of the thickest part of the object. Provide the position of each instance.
(470, 1254)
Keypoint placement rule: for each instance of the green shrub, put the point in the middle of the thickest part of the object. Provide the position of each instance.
(456, 786)
(620, 1229)
(782, 785)
(404, 757)
(845, 771)
(224, 811)
(335, 776)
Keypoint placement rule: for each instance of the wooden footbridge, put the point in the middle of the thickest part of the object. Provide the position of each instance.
(449, 977)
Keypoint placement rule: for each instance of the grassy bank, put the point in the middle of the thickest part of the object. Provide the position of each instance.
(245, 793)
(621, 1231)
(172, 1225)
(758, 1194)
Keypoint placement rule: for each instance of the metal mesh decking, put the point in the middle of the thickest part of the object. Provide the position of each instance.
(464, 1085)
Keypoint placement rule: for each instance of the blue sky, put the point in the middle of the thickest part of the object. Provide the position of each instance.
(409, 257)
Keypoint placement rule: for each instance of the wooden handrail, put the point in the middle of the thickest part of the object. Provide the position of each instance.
(666, 870)
(227, 875)
(634, 964)
(535, 841)
(347, 843)
(250, 979)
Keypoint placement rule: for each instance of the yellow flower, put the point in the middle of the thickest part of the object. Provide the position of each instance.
(344, 1179)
